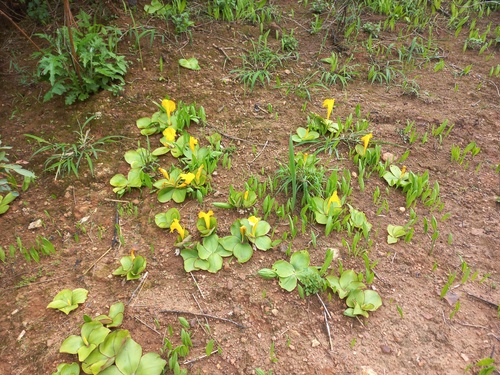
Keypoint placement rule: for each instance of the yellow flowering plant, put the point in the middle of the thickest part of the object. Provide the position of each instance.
(207, 223)
(238, 199)
(170, 114)
(174, 186)
(165, 219)
(206, 256)
(361, 149)
(131, 266)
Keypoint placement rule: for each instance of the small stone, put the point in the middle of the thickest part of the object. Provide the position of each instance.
(385, 349)
(287, 72)
(291, 347)
(464, 357)
(274, 312)
(135, 202)
(315, 343)
(35, 224)
(354, 174)
(387, 156)
(243, 340)
(402, 209)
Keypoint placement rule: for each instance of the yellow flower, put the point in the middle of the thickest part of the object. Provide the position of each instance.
(206, 216)
(169, 106)
(164, 173)
(187, 177)
(198, 174)
(243, 230)
(170, 134)
(245, 196)
(305, 156)
(328, 104)
(253, 222)
(333, 199)
(132, 254)
(403, 170)
(366, 140)
(177, 226)
(192, 142)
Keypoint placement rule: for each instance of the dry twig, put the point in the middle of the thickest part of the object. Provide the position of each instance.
(102, 256)
(180, 312)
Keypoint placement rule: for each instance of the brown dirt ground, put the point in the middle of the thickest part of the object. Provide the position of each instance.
(424, 341)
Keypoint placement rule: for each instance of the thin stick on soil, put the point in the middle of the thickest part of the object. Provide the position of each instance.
(261, 151)
(327, 316)
(196, 283)
(195, 300)
(201, 357)
(222, 50)
(102, 256)
(137, 290)
(20, 30)
(470, 325)
(147, 325)
(482, 300)
(180, 312)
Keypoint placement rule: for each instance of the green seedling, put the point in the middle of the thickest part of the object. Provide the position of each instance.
(6, 200)
(298, 270)
(394, 232)
(446, 287)
(67, 369)
(348, 281)
(206, 256)
(131, 266)
(358, 220)
(68, 300)
(397, 177)
(304, 135)
(400, 311)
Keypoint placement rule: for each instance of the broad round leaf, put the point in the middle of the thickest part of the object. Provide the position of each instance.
(129, 357)
(243, 252)
(151, 364)
(283, 268)
(300, 259)
(71, 345)
(288, 283)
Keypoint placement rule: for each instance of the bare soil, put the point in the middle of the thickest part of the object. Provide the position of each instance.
(421, 340)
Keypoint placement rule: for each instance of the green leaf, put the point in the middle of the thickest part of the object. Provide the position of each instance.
(128, 359)
(300, 260)
(151, 364)
(71, 345)
(263, 243)
(267, 273)
(190, 63)
(242, 251)
(283, 268)
(288, 283)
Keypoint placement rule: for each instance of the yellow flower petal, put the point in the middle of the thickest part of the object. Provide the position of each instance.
(366, 139)
(243, 230)
(132, 254)
(253, 222)
(333, 199)
(206, 216)
(245, 196)
(328, 104)
(164, 173)
(177, 226)
(403, 170)
(170, 134)
(192, 142)
(169, 106)
(198, 174)
(187, 177)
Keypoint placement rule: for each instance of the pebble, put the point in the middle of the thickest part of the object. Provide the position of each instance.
(35, 224)
(315, 343)
(274, 312)
(387, 156)
(385, 349)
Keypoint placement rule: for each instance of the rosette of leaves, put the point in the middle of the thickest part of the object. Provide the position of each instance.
(92, 334)
(141, 162)
(256, 231)
(304, 134)
(394, 232)
(68, 300)
(206, 256)
(237, 243)
(119, 354)
(174, 187)
(165, 219)
(362, 301)
(298, 270)
(348, 281)
(396, 177)
(206, 224)
(131, 266)
(154, 124)
(358, 220)
(321, 125)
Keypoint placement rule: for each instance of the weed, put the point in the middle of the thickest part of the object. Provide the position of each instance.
(65, 158)
(81, 64)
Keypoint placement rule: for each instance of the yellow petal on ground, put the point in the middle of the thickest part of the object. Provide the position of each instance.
(206, 216)
(366, 139)
(177, 226)
(328, 104)
(198, 174)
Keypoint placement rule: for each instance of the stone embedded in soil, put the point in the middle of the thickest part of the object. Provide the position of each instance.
(35, 224)
(387, 156)
(315, 343)
(385, 349)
